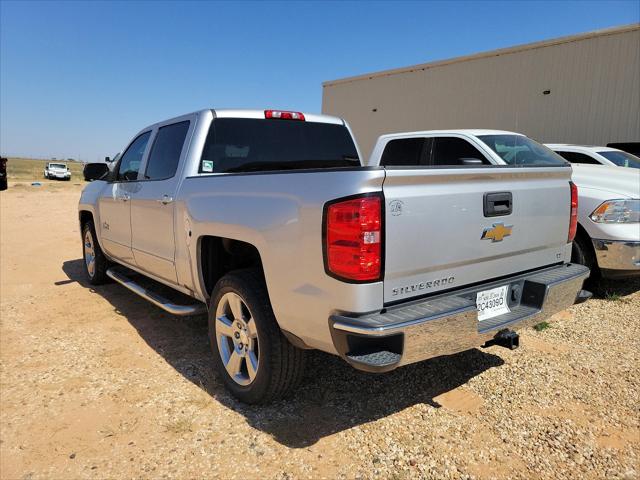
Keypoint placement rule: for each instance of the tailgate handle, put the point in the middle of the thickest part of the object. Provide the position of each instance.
(497, 204)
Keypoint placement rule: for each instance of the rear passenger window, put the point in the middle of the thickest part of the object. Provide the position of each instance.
(575, 157)
(132, 158)
(406, 152)
(166, 150)
(455, 151)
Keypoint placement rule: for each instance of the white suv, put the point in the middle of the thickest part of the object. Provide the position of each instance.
(58, 171)
(595, 155)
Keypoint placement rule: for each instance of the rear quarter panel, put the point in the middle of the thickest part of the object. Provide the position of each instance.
(281, 215)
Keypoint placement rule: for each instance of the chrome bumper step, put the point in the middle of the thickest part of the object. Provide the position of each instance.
(378, 360)
(448, 323)
(155, 298)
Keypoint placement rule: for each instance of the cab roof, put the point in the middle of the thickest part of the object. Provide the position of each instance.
(251, 113)
(243, 113)
(259, 114)
(474, 132)
(584, 148)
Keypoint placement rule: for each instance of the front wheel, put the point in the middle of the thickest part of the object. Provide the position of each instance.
(95, 263)
(582, 253)
(255, 360)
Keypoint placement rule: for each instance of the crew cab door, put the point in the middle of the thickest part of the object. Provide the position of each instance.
(152, 204)
(115, 202)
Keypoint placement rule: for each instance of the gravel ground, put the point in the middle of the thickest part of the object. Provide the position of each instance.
(97, 383)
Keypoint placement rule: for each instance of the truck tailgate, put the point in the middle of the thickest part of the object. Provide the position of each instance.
(440, 235)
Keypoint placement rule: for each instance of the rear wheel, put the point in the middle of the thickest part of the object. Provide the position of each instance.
(95, 263)
(255, 360)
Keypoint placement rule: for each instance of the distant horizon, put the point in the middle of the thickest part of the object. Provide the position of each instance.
(46, 159)
(81, 90)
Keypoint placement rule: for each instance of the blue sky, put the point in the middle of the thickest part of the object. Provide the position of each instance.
(79, 79)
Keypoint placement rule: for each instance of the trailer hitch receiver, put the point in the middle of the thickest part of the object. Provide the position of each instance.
(505, 338)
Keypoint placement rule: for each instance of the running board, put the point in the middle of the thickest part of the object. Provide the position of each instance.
(156, 299)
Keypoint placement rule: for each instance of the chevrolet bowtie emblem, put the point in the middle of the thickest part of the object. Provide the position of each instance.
(497, 232)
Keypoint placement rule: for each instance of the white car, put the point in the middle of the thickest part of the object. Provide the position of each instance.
(608, 236)
(58, 171)
(595, 155)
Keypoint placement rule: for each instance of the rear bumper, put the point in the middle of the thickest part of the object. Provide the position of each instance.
(447, 324)
(617, 258)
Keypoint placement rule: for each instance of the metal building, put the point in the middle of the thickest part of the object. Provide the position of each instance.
(581, 89)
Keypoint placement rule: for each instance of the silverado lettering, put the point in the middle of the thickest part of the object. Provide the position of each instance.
(422, 286)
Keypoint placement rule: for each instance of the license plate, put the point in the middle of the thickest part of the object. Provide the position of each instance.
(492, 303)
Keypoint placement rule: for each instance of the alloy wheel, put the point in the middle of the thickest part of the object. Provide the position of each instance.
(89, 253)
(237, 338)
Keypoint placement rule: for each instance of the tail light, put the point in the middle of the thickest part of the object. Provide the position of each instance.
(573, 219)
(353, 239)
(284, 115)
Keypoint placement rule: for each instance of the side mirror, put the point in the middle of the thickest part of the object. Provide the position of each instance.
(130, 176)
(471, 161)
(107, 159)
(95, 171)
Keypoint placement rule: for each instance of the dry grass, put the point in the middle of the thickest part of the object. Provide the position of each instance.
(179, 426)
(27, 169)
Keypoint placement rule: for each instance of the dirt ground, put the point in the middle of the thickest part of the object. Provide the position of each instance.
(97, 383)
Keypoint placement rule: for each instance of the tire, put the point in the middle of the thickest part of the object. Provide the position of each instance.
(278, 366)
(96, 273)
(582, 253)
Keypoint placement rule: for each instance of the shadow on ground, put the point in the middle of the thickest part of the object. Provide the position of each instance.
(613, 289)
(333, 396)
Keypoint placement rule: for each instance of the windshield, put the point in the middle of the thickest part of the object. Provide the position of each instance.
(622, 159)
(58, 165)
(519, 150)
(246, 144)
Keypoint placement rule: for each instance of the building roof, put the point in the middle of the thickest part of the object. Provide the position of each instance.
(492, 53)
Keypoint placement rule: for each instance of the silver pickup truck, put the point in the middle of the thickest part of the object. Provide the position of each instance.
(272, 223)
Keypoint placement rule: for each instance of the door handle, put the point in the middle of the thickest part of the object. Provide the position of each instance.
(165, 199)
(497, 204)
